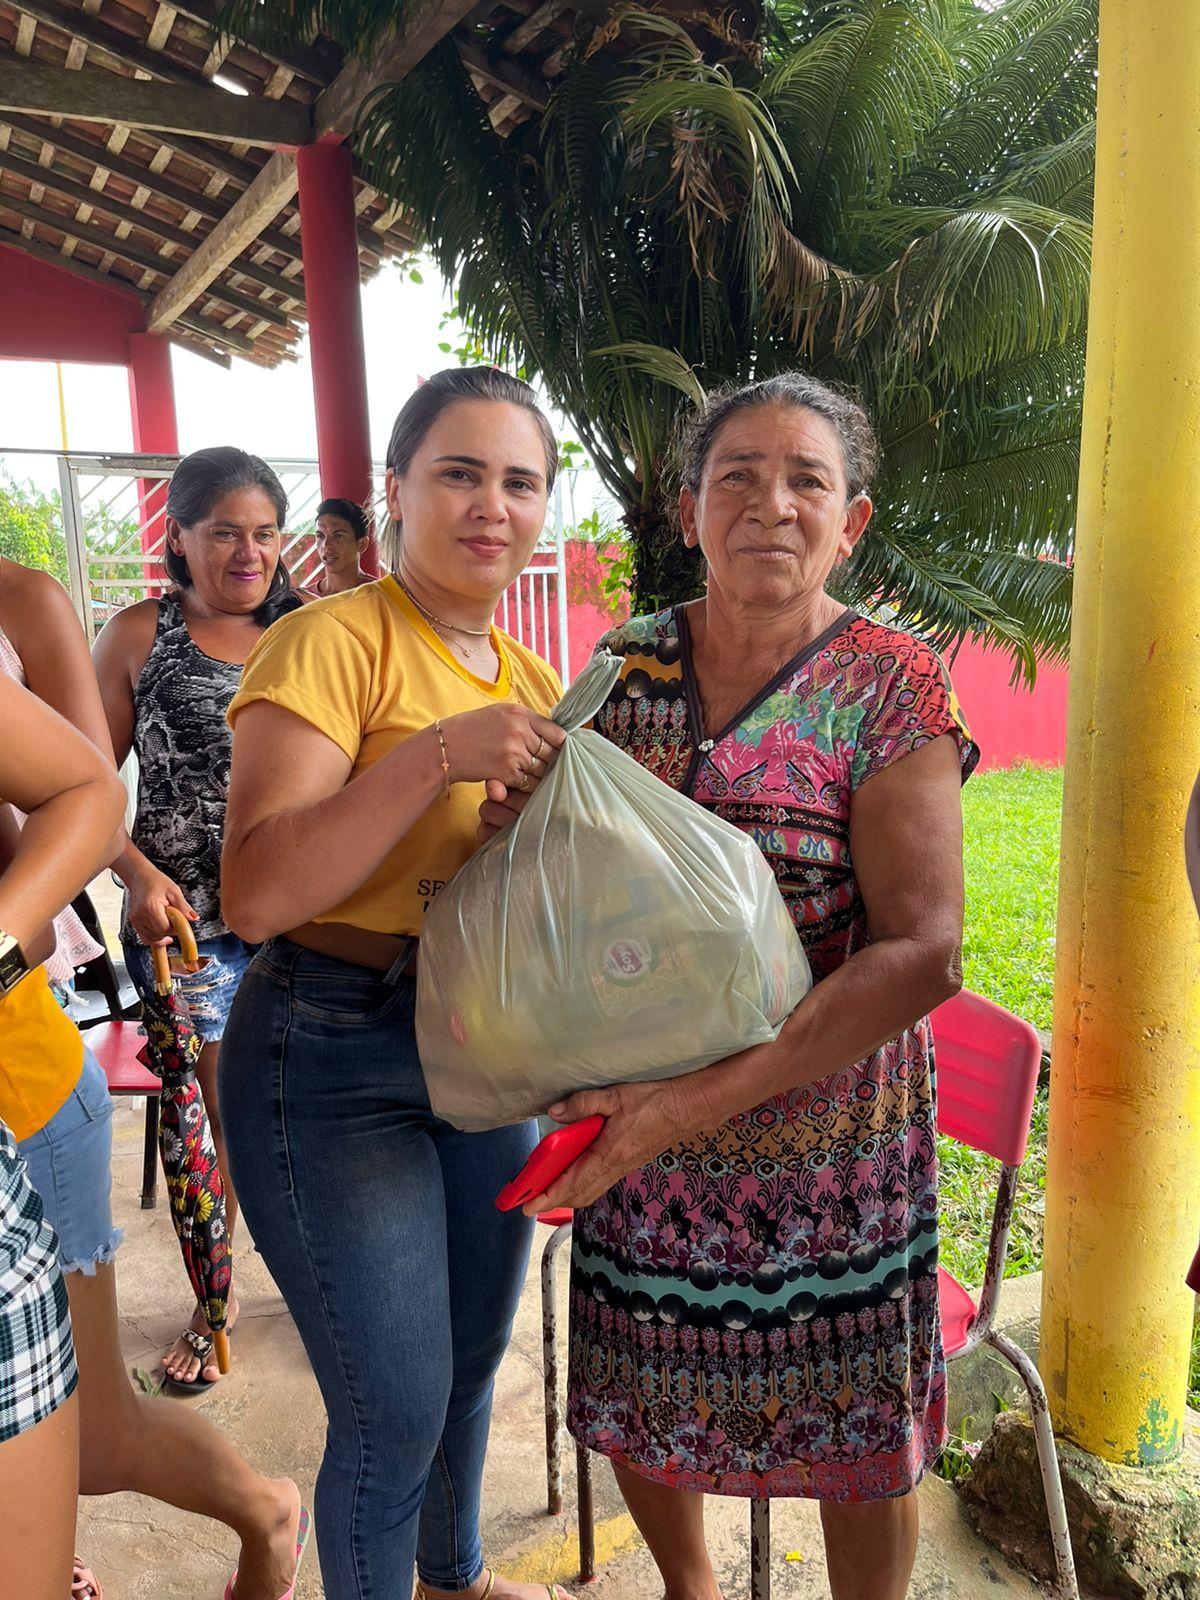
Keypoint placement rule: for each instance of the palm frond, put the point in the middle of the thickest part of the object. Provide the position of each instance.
(898, 198)
(665, 367)
(354, 24)
(869, 80)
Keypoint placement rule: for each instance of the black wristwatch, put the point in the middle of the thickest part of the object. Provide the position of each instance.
(13, 965)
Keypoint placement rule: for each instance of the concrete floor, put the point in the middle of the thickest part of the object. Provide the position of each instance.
(269, 1405)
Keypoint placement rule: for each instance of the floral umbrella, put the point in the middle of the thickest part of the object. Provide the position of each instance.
(185, 1141)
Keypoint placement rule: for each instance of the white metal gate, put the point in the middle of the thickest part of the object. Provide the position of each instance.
(113, 510)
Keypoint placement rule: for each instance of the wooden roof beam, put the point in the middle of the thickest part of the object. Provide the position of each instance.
(213, 113)
(236, 231)
(424, 24)
(526, 32)
(506, 76)
(62, 183)
(110, 41)
(83, 233)
(134, 172)
(303, 60)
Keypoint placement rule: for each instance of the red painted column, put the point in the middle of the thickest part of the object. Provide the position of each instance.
(155, 432)
(329, 239)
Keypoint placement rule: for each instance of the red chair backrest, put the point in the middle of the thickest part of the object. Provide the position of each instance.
(987, 1073)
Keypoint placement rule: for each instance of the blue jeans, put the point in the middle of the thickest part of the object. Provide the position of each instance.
(376, 1221)
(70, 1166)
(209, 993)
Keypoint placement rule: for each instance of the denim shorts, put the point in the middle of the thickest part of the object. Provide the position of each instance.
(70, 1166)
(209, 993)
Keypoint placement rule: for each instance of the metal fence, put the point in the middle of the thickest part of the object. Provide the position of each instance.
(112, 511)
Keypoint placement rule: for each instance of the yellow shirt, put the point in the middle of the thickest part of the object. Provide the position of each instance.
(367, 670)
(41, 1055)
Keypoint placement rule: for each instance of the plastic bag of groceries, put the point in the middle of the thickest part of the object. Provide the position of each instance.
(615, 931)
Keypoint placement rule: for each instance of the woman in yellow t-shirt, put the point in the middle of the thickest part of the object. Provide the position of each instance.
(364, 730)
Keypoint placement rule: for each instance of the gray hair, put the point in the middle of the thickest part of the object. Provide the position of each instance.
(856, 436)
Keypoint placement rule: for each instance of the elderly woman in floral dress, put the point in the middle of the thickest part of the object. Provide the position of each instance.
(754, 1272)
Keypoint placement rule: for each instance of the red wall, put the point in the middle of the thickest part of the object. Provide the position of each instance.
(50, 314)
(1011, 724)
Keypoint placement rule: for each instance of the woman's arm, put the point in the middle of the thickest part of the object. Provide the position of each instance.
(74, 801)
(119, 655)
(299, 838)
(906, 844)
(54, 653)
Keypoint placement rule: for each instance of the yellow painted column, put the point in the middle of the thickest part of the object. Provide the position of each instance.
(1123, 1186)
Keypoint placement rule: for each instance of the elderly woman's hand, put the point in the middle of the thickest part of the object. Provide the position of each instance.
(641, 1121)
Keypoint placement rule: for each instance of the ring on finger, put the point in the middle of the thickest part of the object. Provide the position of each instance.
(541, 749)
(525, 783)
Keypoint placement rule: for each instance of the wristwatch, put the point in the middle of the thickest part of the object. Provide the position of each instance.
(13, 965)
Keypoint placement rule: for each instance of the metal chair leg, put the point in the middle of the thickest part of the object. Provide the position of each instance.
(1056, 1509)
(760, 1550)
(554, 1486)
(587, 1514)
(150, 1155)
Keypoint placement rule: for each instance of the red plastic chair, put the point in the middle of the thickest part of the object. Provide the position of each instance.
(115, 1045)
(987, 1072)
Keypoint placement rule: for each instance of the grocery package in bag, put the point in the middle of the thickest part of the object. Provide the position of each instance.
(616, 931)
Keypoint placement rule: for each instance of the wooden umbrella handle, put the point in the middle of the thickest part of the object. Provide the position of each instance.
(220, 1339)
(182, 930)
(159, 955)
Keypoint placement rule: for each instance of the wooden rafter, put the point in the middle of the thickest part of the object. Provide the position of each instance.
(238, 228)
(100, 239)
(424, 23)
(109, 41)
(100, 200)
(526, 32)
(504, 75)
(31, 86)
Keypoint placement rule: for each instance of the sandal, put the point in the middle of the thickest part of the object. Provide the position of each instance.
(422, 1593)
(85, 1585)
(201, 1347)
(303, 1529)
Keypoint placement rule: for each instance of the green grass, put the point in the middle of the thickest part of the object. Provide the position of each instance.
(1011, 845)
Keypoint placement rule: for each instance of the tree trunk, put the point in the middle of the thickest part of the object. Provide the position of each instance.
(666, 571)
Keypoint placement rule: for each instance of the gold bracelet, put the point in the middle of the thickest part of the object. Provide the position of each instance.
(445, 758)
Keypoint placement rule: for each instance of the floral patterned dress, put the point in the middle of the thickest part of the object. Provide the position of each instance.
(755, 1313)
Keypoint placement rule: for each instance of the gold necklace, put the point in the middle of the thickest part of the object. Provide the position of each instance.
(440, 622)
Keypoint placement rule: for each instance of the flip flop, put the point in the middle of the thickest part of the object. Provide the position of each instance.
(304, 1528)
(201, 1347)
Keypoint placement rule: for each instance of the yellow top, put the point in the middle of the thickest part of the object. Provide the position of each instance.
(367, 670)
(41, 1055)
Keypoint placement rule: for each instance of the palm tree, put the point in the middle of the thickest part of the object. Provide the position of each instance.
(894, 194)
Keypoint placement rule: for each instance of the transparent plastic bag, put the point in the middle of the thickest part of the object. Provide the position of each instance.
(615, 932)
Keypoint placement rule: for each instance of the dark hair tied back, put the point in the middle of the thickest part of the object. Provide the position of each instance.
(426, 403)
(205, 477)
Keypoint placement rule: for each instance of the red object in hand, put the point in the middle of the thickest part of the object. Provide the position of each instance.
(549, 1161)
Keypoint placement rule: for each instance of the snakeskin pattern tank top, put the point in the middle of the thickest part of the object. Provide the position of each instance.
(183, 746)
